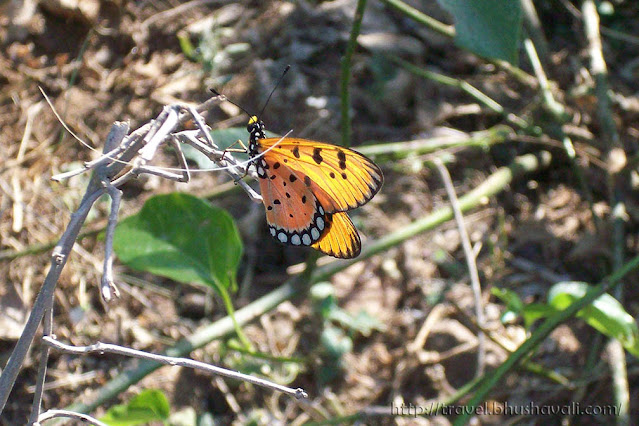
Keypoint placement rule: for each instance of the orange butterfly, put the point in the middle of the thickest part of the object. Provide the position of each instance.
(307, 187)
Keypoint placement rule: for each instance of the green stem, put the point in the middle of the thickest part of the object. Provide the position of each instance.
(549, 374)
(490, 381)
(41, 248)
(233, 345)
(450, 81)
(618, 35)
(482, 139)
(346, 73)
(230, 310)
(555, 108)
(411, 12)
(560, 115)
(465, 87)
(534, 28)
(616, 159)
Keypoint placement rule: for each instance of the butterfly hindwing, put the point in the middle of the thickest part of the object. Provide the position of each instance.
(296, 217)
(293, 213)
(342, 179)
(341, 238)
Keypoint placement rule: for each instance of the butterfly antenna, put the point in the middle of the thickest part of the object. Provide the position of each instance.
(216, 93)
(288, 67)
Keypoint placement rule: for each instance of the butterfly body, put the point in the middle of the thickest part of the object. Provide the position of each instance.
(307, 187)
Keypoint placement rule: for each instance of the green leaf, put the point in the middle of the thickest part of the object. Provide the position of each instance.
(181, 237)
(534, 311)
(187, 47)
(488, 28)
(325, 304)
(148, 406)
(509, 297)
(323, 298)
(605, 314)
(223, 138)
(335, 343)
(363, 322)
(515, 307)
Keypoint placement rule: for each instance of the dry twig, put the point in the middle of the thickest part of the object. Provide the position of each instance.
(125, 156)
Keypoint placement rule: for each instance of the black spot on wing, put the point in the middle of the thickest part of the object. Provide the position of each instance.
(341, 156)
(317, 155)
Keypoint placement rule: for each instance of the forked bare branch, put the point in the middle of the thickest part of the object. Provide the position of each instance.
(125, 157)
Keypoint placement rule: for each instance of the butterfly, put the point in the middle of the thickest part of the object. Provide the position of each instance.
(308, 187)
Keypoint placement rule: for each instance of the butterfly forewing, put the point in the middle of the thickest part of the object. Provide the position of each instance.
(345, 178)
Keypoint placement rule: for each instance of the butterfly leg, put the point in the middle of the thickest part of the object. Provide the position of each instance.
(242, 150)
(230, 148)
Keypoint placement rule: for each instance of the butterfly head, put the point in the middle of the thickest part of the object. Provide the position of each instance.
(255, 127)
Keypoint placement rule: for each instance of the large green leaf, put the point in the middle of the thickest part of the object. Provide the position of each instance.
(181, 237)
(148, 406)
(605, 314)
(488, 28)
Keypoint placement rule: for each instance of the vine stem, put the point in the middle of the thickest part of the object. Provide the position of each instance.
(346, 73)
(616, 161)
